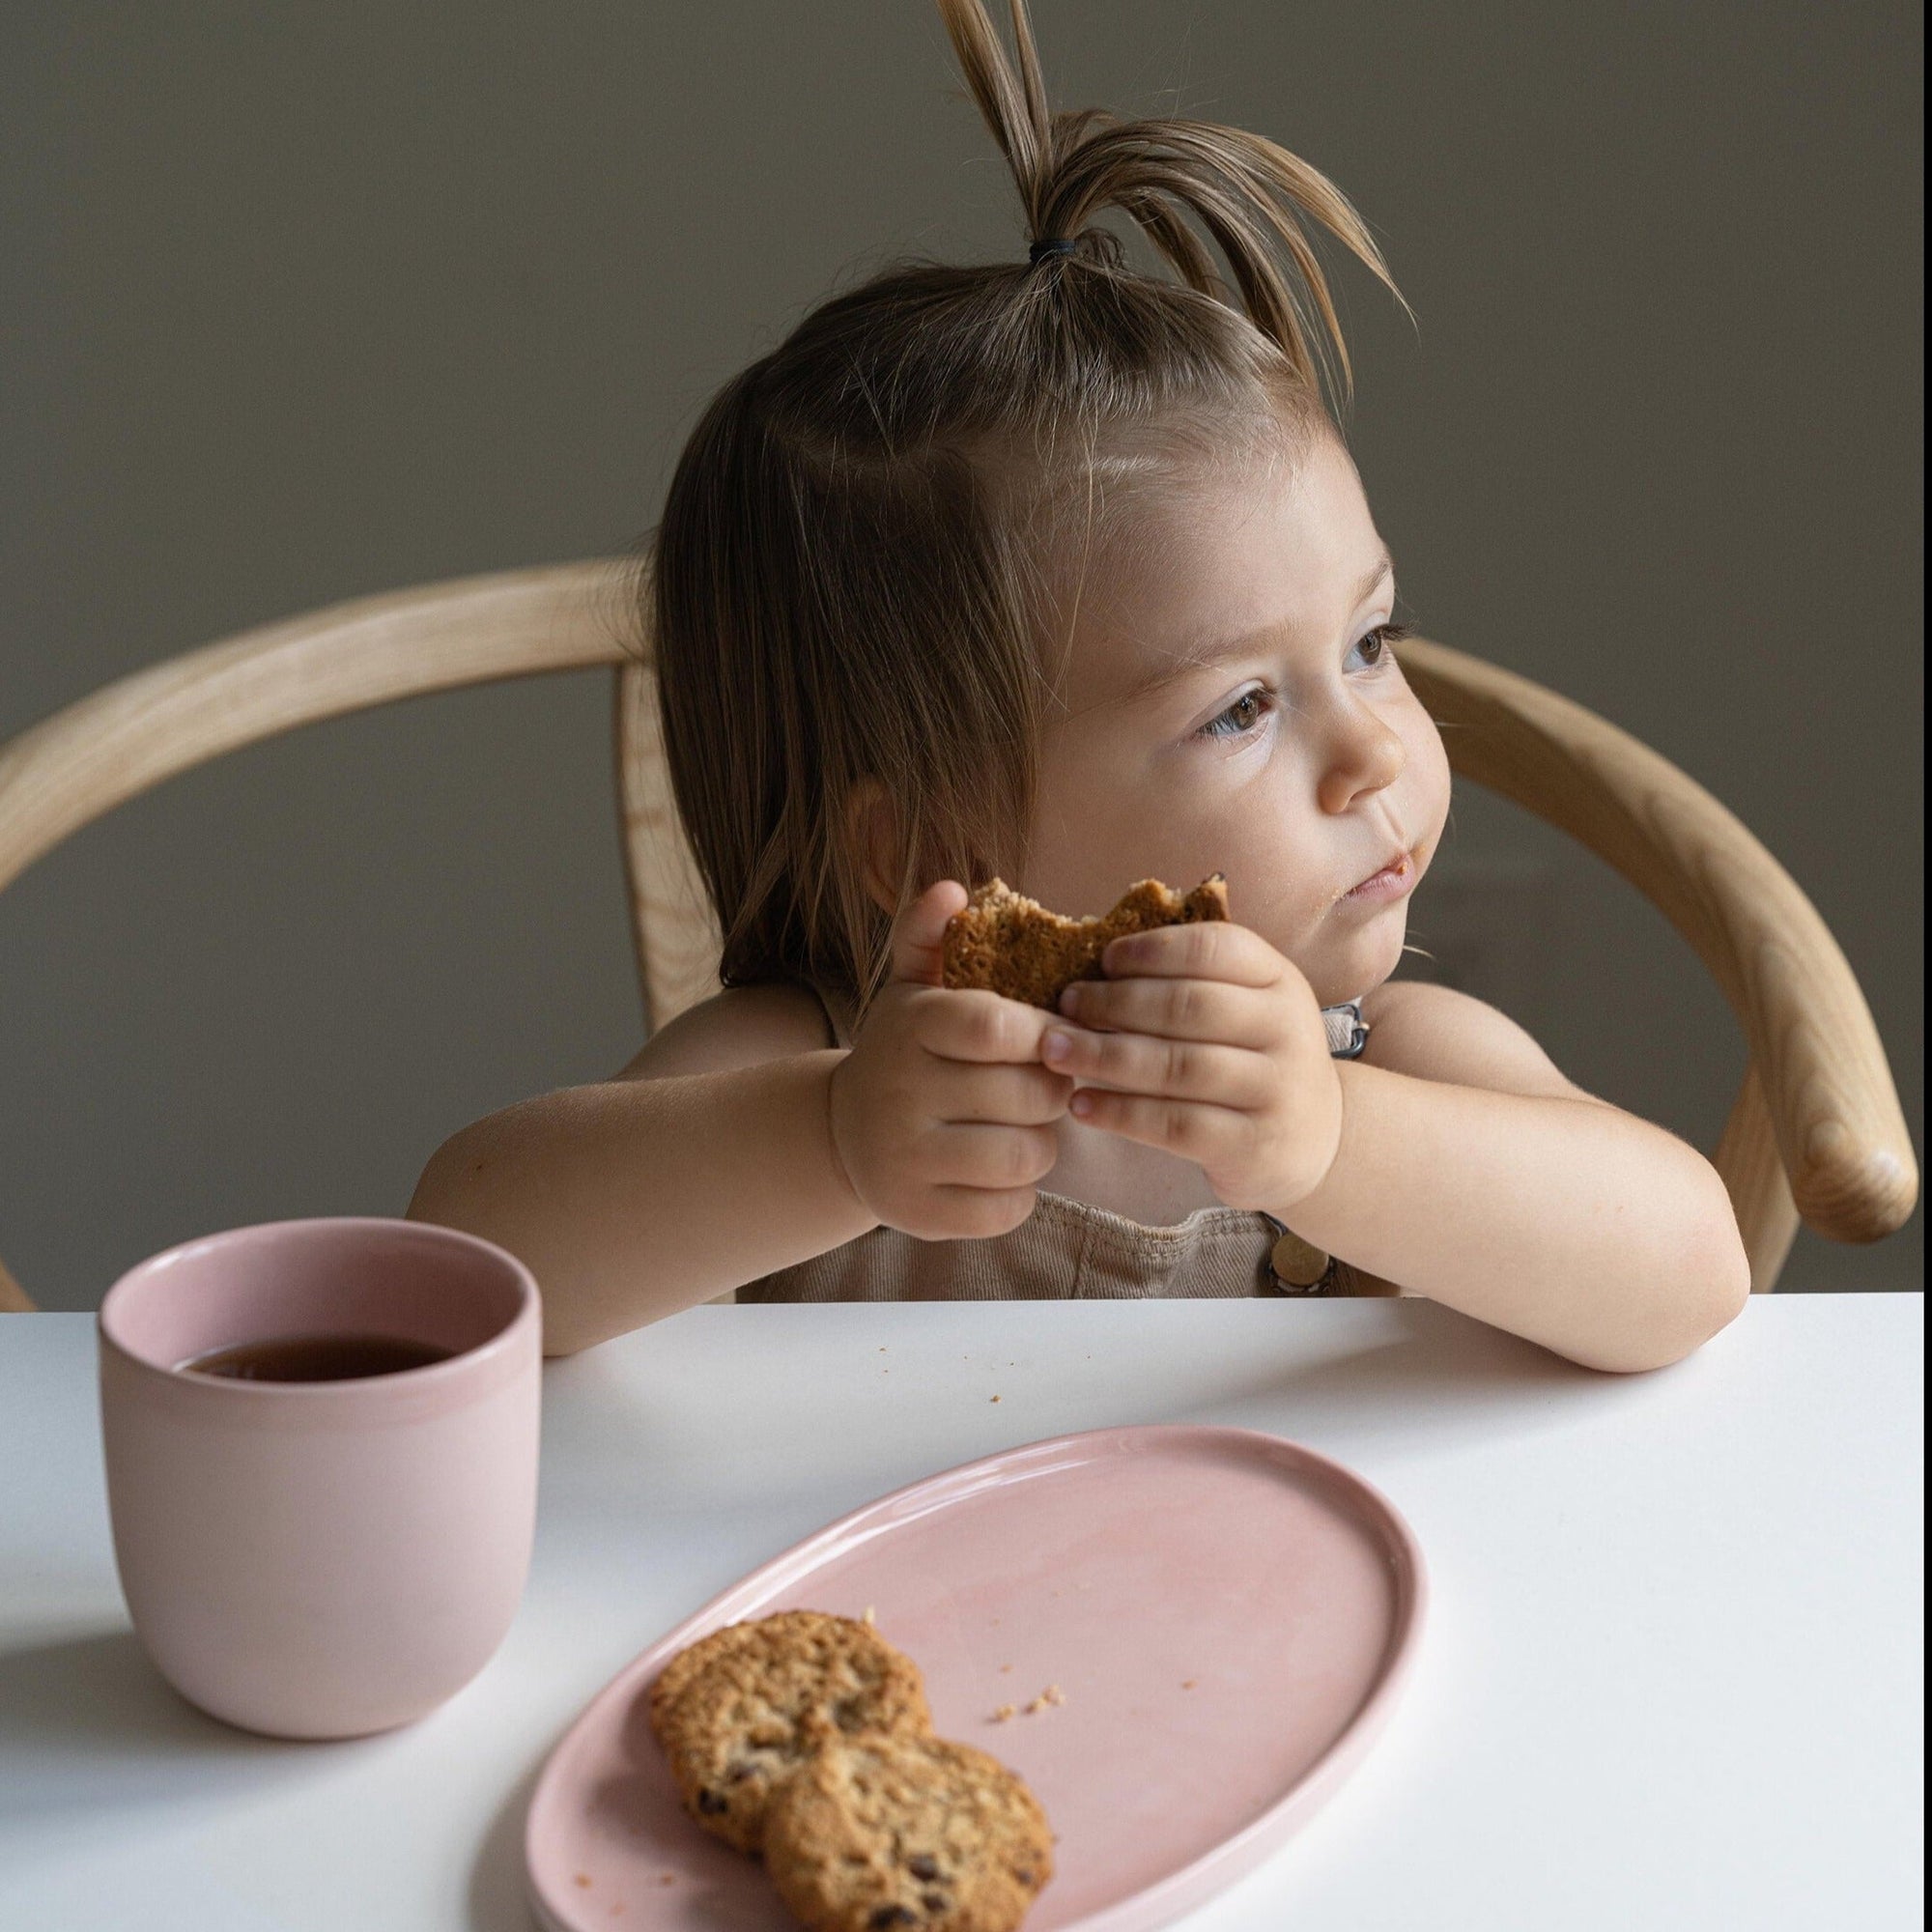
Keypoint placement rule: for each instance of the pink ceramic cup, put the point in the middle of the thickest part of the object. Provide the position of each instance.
(322, 1559)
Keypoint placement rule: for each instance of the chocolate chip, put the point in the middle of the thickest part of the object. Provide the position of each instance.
(712, 1805)
(925, 1866)
(892, 1915)
(933, 1901)
(738, 1773)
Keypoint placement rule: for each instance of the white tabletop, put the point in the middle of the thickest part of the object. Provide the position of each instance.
(1670, 1675)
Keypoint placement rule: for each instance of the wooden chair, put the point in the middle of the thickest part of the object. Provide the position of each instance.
(1816, 1133)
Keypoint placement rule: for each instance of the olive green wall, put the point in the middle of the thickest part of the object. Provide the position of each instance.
(313, 301)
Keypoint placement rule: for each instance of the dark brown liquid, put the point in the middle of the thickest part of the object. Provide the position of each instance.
(316, 1358)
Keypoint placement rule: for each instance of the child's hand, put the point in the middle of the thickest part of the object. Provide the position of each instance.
(941, 1113)
(1214, 1049)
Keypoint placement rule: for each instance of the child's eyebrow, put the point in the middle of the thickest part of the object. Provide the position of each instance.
(1205, 656)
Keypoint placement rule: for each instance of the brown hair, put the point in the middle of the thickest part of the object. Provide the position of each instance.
(855, 576)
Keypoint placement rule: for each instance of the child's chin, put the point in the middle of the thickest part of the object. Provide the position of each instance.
(1368, 957)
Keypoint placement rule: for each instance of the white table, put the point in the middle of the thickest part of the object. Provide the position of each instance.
(1670, 1675)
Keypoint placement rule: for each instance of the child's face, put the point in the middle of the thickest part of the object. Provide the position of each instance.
(1226, 709)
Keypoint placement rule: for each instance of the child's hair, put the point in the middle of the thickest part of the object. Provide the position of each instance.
(860, 564)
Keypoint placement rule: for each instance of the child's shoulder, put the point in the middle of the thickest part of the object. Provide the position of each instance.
(1435, 1033)
(743, 1026)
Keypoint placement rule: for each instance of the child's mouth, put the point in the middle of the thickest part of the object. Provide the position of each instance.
(1391, 882)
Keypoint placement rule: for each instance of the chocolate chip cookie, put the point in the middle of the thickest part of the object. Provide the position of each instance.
(900, 1832)
(1012, 945)
(741, 1710)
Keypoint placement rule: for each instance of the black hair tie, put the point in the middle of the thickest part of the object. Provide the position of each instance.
(1041, 249)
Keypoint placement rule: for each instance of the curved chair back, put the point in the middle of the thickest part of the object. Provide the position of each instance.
(1816, 1132)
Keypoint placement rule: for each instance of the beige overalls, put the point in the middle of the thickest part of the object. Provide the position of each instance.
(1068, 1251)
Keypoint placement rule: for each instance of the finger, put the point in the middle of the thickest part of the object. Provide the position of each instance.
(1175, 1069)
(1206, 949)
(969, 1023)
(1191, 1128)
(1208, 1009)
(979, 1214)
(1020, 1096)
(970, 1154)
(918, 929)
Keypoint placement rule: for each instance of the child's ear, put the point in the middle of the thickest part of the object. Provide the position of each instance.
(872, 826)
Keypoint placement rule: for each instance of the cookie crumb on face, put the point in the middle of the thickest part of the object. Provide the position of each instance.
(1189, 1682)
(582, 1879)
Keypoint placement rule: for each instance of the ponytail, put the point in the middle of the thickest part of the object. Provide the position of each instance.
(1245, 190)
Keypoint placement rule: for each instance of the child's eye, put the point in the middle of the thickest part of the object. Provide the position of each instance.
(1241, 716)
(1373, 647)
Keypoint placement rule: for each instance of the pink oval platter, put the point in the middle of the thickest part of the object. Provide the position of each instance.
(1196, 1633)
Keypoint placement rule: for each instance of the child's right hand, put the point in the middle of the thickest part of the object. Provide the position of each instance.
(942, 1112)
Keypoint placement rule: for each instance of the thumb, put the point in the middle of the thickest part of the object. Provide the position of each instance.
(916, 935)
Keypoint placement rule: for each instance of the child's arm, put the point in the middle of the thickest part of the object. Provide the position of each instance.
(636, 1197)
(1482, 1178)
(1550, 1213)
(737, 1143)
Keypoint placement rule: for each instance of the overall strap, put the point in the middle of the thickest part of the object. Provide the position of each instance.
(1348, 1030)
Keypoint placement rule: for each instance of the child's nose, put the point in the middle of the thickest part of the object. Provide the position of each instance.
(1365, 755)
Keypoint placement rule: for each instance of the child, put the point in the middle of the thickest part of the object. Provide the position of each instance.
(1059, 572)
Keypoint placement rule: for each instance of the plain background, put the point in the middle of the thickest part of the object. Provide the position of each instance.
(321, 299)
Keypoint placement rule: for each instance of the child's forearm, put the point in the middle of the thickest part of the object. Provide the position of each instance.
(632, 1199)
(1566, 1221)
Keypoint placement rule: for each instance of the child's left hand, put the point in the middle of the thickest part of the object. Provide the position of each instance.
(1207, 1041)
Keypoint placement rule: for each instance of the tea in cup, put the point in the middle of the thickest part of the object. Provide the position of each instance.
(322, 1457)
